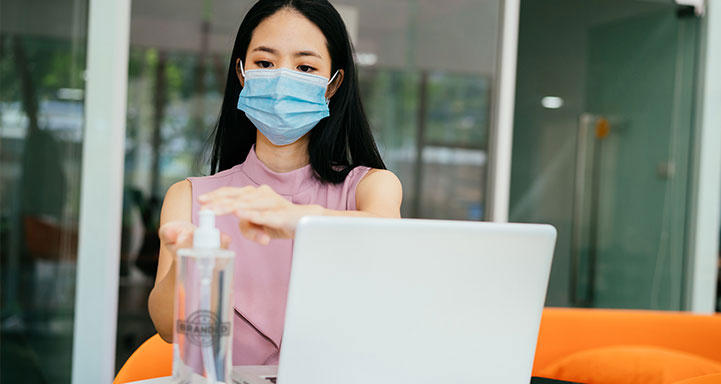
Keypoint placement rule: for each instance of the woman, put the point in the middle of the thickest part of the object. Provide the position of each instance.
(292, 140)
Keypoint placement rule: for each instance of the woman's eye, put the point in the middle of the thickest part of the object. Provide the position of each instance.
(264, 64)
(306, 68)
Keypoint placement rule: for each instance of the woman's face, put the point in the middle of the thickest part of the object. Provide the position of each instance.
(288, 40)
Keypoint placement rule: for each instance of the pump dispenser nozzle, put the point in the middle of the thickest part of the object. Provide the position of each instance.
(206, 235)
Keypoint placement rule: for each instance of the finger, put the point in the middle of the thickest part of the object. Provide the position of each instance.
(261, 203)
(273, 219)
(225, 241)
(185, 240)
(263, 237)
(170, 232)
(248, 193)
(273, 233)
(247, 229)
(277, 225)
(241, 194)
(221, 206)
(274, 224)
(225, 192)
(253, 232)
(221, 203)
(254, 202)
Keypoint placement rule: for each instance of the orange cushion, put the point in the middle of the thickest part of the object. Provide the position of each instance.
(630, 365)
(565, 331)
(706, 379)
(154, 358)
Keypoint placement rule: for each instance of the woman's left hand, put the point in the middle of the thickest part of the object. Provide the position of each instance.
(263, 213)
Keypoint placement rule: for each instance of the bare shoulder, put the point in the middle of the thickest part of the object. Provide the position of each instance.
(381, 191)
(178, 202)
(181, 188)
(380, 177)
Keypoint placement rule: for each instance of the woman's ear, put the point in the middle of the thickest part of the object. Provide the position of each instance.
(334, 85)
(239, 72)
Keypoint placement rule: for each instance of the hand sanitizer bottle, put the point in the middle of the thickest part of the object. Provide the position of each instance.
(202, 323)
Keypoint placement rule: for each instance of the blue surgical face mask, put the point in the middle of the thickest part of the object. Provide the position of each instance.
(282, 103)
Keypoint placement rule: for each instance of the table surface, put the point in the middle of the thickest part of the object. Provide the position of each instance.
(167, 380)
(158, 380)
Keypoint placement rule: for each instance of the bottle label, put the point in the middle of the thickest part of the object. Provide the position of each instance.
(203, 328)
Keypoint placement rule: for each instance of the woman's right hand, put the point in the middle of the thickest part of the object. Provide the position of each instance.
(176, 235)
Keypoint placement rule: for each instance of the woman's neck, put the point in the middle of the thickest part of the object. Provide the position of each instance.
(284, 158)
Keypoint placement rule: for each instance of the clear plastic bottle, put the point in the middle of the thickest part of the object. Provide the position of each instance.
(203, 319)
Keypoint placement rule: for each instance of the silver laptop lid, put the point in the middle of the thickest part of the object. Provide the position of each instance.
(414, 301)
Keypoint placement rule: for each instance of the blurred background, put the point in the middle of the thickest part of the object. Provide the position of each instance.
(603, 142)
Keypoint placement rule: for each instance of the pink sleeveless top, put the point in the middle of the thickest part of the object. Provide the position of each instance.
(262, 272)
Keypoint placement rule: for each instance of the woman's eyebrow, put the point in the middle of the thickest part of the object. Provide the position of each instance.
(266, 49)
(307, 53)
(297, 54)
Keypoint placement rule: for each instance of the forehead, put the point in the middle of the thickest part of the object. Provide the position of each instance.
(289, 31)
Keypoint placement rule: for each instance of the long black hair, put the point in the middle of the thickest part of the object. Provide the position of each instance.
(340, 141)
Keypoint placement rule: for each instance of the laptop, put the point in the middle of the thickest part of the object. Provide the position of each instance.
(411, 301)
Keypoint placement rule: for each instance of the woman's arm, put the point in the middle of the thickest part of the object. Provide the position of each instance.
(175, 233)
(378, 194)
(264, 214)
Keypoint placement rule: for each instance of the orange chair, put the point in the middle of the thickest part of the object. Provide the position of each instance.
(154, 358)
(563, 332)
(706, 379)
(568, 332)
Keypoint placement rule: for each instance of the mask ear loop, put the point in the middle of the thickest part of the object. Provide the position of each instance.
(327, 100)
(242, 72)
(331, 79)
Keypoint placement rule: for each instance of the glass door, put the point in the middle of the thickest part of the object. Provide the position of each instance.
(620, 119)
(631, 237)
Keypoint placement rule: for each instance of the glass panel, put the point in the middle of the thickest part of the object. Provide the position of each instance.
(455, 148)
(172, 103)
(431, 117)
(601, 146)
(426, 70)
(42, 62)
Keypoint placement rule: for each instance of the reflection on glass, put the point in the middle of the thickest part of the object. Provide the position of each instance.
(41, 120)
(425, 72)
(173, 101)
(443, 117)
(455, 146)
